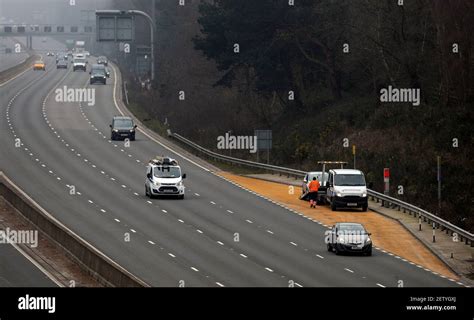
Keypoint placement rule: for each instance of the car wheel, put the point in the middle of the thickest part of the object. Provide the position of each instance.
(333, 206)
(181, 197)
(146, 191)
(368, 253)
(364, 208)
(337, 251)
(329, 247)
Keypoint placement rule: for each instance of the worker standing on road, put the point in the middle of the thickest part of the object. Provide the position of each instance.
(313, 192)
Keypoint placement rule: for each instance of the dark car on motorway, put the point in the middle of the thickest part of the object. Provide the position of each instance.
(122, 127)
(61, 64)
(98, 75)
(102, 60)
(100, 67)
(349, 237)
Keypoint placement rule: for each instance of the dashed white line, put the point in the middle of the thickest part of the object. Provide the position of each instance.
(348, 270)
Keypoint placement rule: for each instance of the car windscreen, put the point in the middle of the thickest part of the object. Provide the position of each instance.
(78, 60)
(349, 180)
(167, 172)
(123, 123)
(98, 72)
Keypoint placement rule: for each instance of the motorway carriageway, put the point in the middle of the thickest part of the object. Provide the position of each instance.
(173, 242)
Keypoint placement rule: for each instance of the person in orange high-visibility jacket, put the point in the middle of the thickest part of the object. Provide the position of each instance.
(313, 192)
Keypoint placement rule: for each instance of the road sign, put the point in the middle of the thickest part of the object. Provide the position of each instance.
(264, 139)
(115, 26)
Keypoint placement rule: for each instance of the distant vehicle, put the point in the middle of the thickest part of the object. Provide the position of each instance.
(101, 67)
(79, 64)
(122, 127)
(61, 56)
(87, 53)
(39, 65)
(62, 64)
(79, 55)
(98, 74)
(102, 60)
(50, 54)
(349, 237)
(346, 188)
(164, 177)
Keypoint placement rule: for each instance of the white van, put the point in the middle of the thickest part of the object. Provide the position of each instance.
(164, 177)
(346, 188)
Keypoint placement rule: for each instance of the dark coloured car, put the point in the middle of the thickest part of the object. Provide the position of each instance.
(348, 237)
(61, 64)
(100, 67)
(98, 75)
(122, 128)
(102, 60)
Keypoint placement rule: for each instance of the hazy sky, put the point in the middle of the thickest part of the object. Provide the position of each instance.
(48, 11)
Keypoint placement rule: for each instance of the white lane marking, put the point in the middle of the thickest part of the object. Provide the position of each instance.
(151, 242)
(219, 284)
(192, 268)
(220, 242)
(180, 220)
(102, 210)
(133, 230)
(299, 285)
(171, 255)
(117, 220)
(149, 201)
(320, 257)
(230, 211)
(270, 231)
(293, 243)
(199, 231)
(212, 202)
(196, 194)
(381, 285)
(268, 269)
(249, 221)
(90, 201)
(348, 270)
(164, 210)
(243, 255)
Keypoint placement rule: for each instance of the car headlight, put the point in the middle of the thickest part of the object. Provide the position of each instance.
(341, 240)
(180, 184)
(339, 194)
(115, 130)
(368, 240)
(131, 130)
(364, 195)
